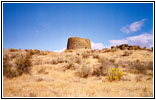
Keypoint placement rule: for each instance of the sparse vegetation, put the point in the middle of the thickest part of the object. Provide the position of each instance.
(85, 54)
(12, 50)
(6, 66)
(42, 71)
(36, 51)
(126, 53)
(22, 65)
(83, 73)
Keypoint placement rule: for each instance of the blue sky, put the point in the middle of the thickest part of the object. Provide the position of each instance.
(47, 26)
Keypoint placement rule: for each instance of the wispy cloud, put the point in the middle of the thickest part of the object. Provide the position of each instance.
(133, 27)
(97, 45)
(144, 39)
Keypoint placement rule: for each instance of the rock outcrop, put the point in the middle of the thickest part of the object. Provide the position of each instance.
(78, 43)
(128, 47)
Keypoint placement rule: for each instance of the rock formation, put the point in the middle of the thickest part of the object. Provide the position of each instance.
(78, 43)
(128, 47)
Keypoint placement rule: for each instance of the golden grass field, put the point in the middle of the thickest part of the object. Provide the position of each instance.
(77, 73)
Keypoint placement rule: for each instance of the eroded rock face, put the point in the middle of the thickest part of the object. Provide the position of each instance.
(78, 43)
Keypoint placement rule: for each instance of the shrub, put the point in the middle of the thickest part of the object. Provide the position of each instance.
(42, 71)
(84, 71)
(36, 51)
(69, 65)
(126, 53)
(58, 59)
(43, 53)
(6, 65)
(12, 50)
(98, 70)
(139, 66)
(114, 74)
(14, 55)
(23, 64)
(33, 52)
(30, 52)
(85, 54)
(8, 69)
(75, 59)
(95, 56)
(149, 65)
(107, 62)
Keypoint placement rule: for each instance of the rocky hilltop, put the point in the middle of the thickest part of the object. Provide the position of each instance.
(128, 47)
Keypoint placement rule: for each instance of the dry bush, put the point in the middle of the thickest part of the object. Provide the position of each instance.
(138, 78)
(139, 66)
(68, 50)
(107, 62)
(33, 52)
(67, 59)
(109, 50)
(121, 63)
(126, 53)
(23, 63)
(149, 65)
(74, 59)
(42, 71)
(85, 54)
(59, 59)
(43, 53)
(6, 66)
(12, 50)
(113, 49)
(72, 62)
(71, 66)
(14, 55)
(36, 51)
(84, 71)
(9, 69)
(95, 56)
(78, 54)
(98, 70)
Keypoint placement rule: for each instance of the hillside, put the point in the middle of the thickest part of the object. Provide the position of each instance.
(112, 72)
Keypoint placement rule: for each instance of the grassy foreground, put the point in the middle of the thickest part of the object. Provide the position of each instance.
(77, 73)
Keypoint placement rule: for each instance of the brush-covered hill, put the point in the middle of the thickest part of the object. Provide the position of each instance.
(122, 71)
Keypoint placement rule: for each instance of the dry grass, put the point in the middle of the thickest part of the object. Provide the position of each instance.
(22, 64)
(82, 73)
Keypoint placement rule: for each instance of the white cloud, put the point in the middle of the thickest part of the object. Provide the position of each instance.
(133, 27)
(97, 45)
(144, 39)
(60, 50)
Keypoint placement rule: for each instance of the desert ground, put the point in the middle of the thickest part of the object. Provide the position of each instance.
(78, 73)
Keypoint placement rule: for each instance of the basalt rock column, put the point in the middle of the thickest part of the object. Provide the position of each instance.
(78, 43)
